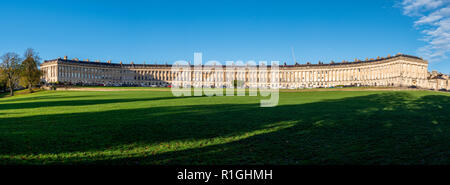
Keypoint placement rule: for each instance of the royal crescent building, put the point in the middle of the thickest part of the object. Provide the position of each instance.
(392, 71)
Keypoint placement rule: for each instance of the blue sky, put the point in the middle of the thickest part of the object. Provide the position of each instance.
(166, 31)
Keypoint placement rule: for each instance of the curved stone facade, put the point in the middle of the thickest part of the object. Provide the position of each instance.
(398, 70)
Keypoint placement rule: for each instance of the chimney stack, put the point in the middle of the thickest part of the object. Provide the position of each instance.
(65, 57)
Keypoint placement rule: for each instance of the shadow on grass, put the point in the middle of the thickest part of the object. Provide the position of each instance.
(24, 105)
(387, 128)
(43, 97)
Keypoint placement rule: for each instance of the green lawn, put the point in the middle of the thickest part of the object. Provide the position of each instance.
(153, 127)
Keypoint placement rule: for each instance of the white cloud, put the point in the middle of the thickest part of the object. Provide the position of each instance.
(416, 7)
(434, 16)
(434, 21)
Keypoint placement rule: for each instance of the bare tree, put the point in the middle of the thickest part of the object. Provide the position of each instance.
(11, 69)
(30, 74)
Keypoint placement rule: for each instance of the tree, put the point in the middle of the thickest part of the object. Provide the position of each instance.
(238, 83)
(11, 69)
(30, 74)
(3, 81)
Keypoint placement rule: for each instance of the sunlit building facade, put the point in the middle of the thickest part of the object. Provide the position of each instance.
(392, 71)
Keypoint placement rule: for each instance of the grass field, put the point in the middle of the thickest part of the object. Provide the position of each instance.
(153, 127)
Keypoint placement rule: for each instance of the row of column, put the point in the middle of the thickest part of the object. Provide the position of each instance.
(364, 73)
(318, 75)
(91, 74)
